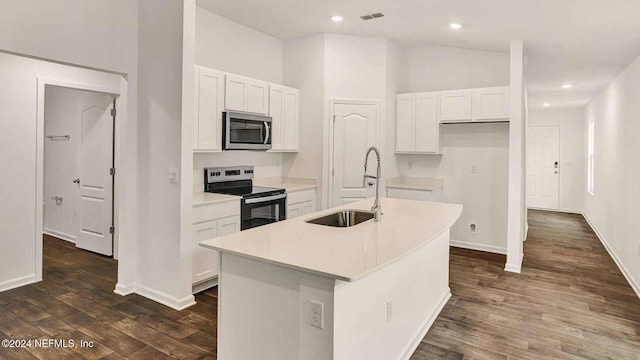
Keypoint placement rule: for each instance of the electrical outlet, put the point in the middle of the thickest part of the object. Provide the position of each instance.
(173, 175)
(389, 310)
(474, 169)
(316, 314)
(410, 164)
(473, 228)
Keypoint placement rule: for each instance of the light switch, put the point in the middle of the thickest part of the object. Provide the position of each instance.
(173, 175)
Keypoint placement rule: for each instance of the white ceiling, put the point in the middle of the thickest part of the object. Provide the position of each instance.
(586, 42)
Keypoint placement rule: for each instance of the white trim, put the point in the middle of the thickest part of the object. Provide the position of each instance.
(627, 275)
(477, 246)
(60, 235)
(204, 285)
(21, 281)
(42, 82)
(165, 299)
(514, 268)
(328, 146)
(568, 211)
(124, 290)
(422, 332)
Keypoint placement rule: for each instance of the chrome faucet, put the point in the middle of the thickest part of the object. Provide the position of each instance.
(376, 205)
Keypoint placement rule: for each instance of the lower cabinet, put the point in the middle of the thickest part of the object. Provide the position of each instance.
(223, 219)
(414, 194)
(301, 203)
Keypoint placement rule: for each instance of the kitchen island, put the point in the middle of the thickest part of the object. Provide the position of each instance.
(296, 290)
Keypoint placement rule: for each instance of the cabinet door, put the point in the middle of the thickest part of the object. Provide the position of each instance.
(205, 261)
(491, 104)
(291, 113)
(293, 210)
(257, 97)
(455, 106)
(235, 92)
(426, 123)
(307, 207)
(208, 120)
(228, 225)
(276, 111)
(405, 115)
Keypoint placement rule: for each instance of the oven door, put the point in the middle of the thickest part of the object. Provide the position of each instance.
(263, 210)
(246, 131)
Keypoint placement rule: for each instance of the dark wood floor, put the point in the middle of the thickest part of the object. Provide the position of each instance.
(570, 302)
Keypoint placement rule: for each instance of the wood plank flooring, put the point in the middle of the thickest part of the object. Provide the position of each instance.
(570, 302)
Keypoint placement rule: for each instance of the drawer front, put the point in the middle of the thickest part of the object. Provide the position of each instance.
(216, 211)
(301, 196)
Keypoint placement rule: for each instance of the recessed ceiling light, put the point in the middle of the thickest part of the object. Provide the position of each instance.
(546, 104)
(567, 86)
(336, 18)
(455, 26)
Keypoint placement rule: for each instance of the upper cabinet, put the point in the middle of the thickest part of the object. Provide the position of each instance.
(284, 109)
(475, 105)
(209, 96)
(455, 106)
(491, 104)
(246, 94)
(417, 129)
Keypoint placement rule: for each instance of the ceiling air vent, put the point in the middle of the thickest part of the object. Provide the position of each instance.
(371, 16)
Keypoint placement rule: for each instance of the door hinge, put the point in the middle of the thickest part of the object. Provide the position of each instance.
(111, 230)
(113, 112)
(112, 171)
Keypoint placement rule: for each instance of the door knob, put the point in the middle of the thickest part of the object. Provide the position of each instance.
(76, 181)
(370, 183)
(555, 172)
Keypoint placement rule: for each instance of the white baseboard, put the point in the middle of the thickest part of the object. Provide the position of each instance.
(562, 210)
(478, 246)
(124, 290)
(21, 281)
(514, 268)
(204, 285)
(165, 299)
(425, 327)
(60, 235)
(627, 275)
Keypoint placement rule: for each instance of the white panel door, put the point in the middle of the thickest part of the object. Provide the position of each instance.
(354, 132)
(426, 123)
(205, 261)
(491, 104)
(210, 97)
(405, 115)
(455, 106)
(95, 187)
(543, 154)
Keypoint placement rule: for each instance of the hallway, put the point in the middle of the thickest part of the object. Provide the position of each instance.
(570, 302)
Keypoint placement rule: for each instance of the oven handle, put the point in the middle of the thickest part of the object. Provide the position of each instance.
(266, 125)
(265, 199)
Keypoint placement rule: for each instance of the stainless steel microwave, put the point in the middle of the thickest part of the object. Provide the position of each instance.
(241, 131)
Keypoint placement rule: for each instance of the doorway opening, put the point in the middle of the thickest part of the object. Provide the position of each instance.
(78, 180)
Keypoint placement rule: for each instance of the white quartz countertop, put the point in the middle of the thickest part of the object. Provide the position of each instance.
(203, 199)
(415, 183)
(289, 184)
(346, 254)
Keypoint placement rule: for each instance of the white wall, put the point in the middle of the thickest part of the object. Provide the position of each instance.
(572, 152)
(60, 159)
(614, 209)
(486, 146)
(397, 82)
(446, 68)
(164, 264)
(304, 64)
(228, 46)
(484, 193)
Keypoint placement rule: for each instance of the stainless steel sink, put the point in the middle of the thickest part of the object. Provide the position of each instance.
(343, 218)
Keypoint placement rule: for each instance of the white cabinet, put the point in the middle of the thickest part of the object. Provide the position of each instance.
(417, 129)
(491, 104)
(414, 194)
(209, 96)
(246, 94)
(211, 221)
(301, 203)
(455, 106)
(284, 109)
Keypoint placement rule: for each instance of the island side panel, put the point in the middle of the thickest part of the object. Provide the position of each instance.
(417, 288)
(264, 312)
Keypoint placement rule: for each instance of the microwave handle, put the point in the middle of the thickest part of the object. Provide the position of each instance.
(266, 126)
